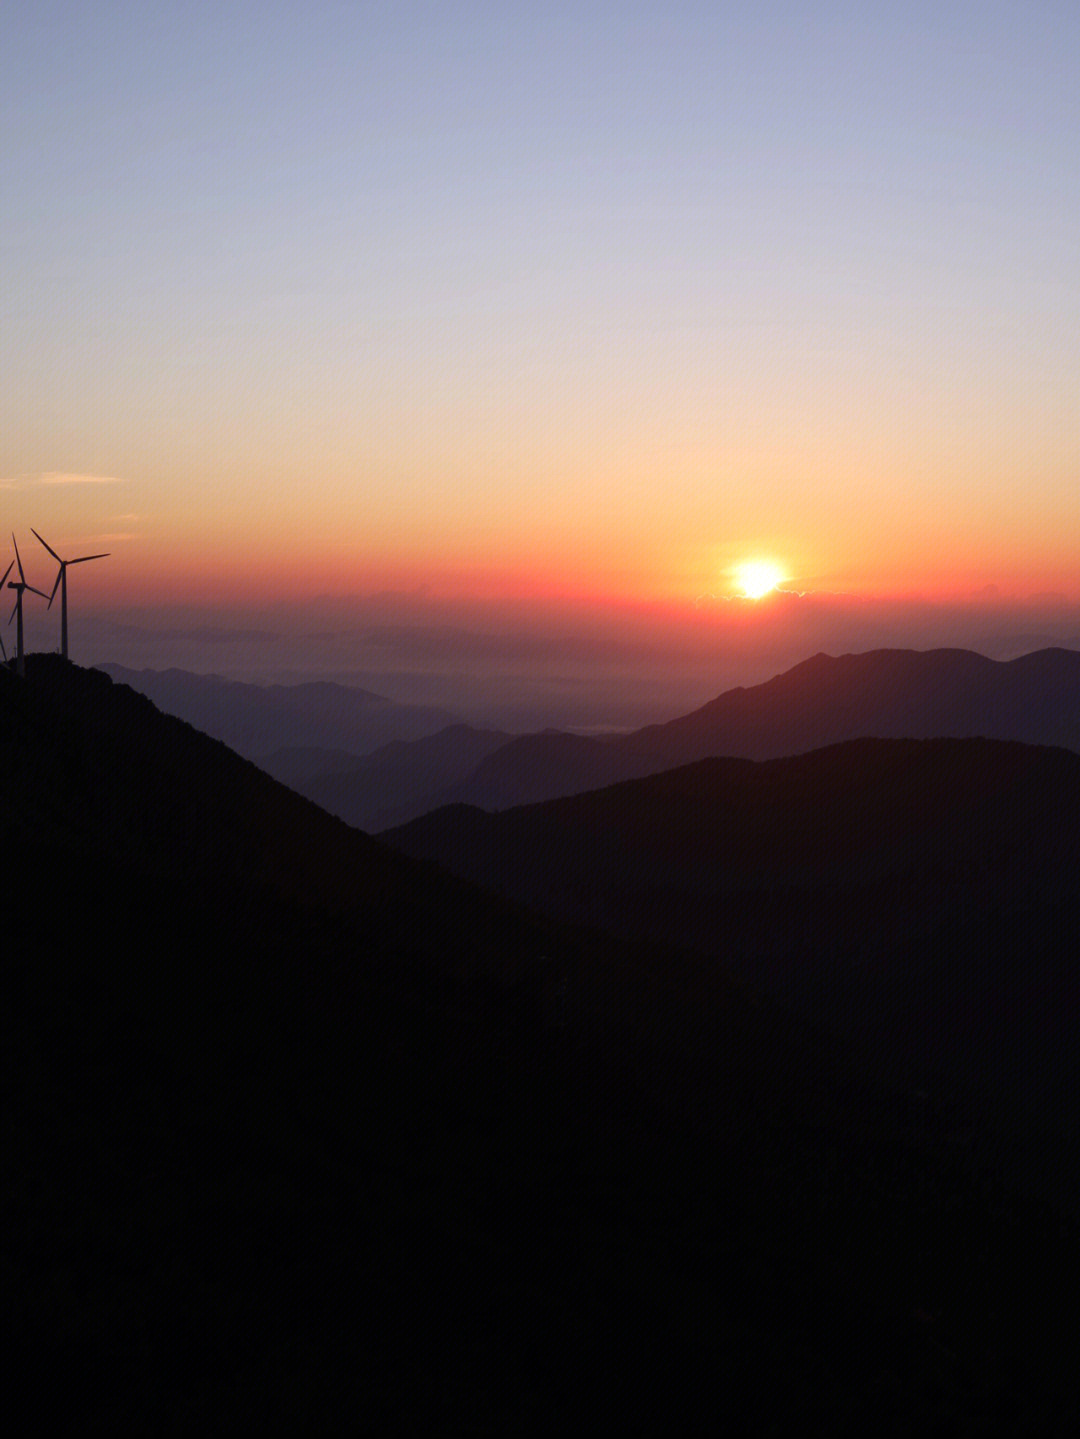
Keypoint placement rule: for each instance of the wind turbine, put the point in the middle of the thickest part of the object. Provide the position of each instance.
(19, 586)
(3, 582)
(61, 583)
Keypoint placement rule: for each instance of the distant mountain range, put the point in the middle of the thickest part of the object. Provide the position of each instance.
(885, 693)
(258, 720)
(902, 694)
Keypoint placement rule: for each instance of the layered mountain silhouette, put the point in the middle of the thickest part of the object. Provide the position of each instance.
(259, 720)
(885, 693)
(393, 784)
(909, 694)
(902, 694)
(303, 1132)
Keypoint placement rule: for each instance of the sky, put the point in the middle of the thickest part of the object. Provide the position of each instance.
(565, 310)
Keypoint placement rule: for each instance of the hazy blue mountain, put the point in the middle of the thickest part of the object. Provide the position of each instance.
(884, 693)
(259, 720)
(376, 763)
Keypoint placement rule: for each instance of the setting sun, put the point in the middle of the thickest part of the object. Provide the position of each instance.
(758, 578)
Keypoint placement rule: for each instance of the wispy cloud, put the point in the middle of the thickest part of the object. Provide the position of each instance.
(55, 477)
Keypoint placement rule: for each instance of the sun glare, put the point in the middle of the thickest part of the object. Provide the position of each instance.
(758, 578)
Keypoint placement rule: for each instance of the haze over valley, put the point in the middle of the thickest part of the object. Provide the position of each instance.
(329, 741)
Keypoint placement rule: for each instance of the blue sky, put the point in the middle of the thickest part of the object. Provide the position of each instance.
(645, 289)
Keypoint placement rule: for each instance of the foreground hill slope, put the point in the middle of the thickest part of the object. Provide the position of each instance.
(94, 770)
(903, 694)
(279, 1154)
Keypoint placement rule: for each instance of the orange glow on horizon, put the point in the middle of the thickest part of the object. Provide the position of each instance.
(153, 571)
(647, 559)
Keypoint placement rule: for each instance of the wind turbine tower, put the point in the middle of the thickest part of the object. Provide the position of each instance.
(19, 586)
(3, 582)
(61, 584)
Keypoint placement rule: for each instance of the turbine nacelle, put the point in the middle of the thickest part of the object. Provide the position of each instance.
(80, 560)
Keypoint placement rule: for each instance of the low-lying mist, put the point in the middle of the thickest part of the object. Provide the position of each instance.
(524, 665)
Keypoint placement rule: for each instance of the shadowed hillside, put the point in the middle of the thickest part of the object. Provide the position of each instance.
(921, 895)
(301, 1135)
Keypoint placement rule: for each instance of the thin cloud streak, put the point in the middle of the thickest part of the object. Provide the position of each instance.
(50, 478)
(96, 537)
(735, 599)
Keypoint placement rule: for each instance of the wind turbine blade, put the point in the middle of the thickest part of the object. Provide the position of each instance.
(7, 572)
(3, 651)
(49, 547)
(83, 558)
(16, 606)
(15, 542)
(59, 577)
(42, 593)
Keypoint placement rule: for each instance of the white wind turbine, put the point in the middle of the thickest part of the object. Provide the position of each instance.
(61, 584)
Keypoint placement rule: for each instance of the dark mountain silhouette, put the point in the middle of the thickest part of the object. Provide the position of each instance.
(544, 766)
(902, 694)
(303, 1133)
(257, 720)
(885, 693)
(396, 782)
(408, 778)
(922, 896)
